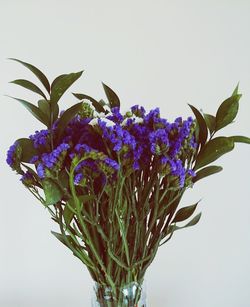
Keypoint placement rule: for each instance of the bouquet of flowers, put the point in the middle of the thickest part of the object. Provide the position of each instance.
(113, 180)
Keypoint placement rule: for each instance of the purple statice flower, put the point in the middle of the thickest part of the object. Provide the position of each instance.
(40, 138)
(116, 116)
(158, 137)
(118, 145)
(129, 140)
(175, 148)
(153, 148)
(78, 178)
(91, 164)
(138, 111)
(137, 152)
(152, 116)
(177, 169)
(40, 171)
(49, 160)
(83, 148)
(191, 173)
(27, 178)
(105, 129)
(11, 154)
(185, 129)
(193, 142)
(34, 159)
(112, 163)
(136, 165)
(117, 136)
(164, 160)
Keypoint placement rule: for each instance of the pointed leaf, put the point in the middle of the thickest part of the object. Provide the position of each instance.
(63, 178)
(61, 84)
(240, 139)
(184, 213)
(99, 108)
(194, 221)
(236, 90)
(201, 124)
(52, 192)
(28, 150)
(66, 117)
(37, 72)
(30, 86)
(207, 171)
(113, 99)
(227, 111)
(210, 121)
(44, 106)
(38, 114)
(213, 150)
(55, 111)
(172, 228)
(61, 238)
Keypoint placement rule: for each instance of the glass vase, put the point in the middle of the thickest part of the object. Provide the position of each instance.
(129, 295)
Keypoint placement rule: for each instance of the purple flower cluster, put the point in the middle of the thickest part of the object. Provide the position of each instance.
(78, 178)
(112, 163)
(133, 140)
(116, 115)
(50, 160)
(138, 111)
(117, 136)
(40, 138)
(137, 142)
(11, 154)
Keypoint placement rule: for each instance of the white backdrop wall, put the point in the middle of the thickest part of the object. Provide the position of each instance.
(155, 53)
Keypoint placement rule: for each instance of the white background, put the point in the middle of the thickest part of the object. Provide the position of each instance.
(154, 53)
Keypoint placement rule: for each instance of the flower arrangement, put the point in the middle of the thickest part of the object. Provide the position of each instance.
(113, 180)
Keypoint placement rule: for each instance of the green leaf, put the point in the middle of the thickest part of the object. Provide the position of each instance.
(172, 228)
(66, 117)
(201, 124)
(99, 108)
(213, 150)
(28, 150)
(60, 237)
(49, 110)
(44, 106)
(240, 139)
(63, 178)
(184, 213)
(30, 86)
(52, 192)
(61, 84)
(236, 90)
(210, 121)
(207, 171)
(113, 99)
(227, 111)
(194, 221)
(35, 111)
(37, 72)
(55, 111)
